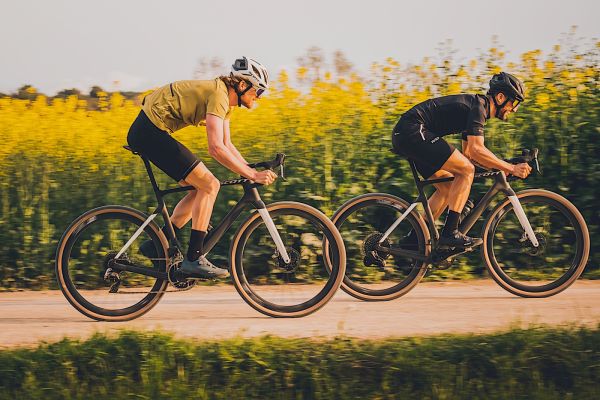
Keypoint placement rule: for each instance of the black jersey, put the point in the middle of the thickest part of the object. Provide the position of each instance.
(462, 113)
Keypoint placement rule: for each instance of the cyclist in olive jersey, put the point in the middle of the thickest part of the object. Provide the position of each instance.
(418, 136)
(183, 103)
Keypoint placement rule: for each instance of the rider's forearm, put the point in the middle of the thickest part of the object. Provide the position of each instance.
(483, 156)
(228, 159)
(236, 153)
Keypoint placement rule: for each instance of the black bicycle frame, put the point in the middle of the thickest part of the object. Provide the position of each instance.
(251, 197)
(500, 185)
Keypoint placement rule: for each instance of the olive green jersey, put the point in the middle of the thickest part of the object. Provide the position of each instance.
(183, 103)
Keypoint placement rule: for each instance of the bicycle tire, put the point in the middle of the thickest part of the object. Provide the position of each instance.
(361, 291)
(68, 283)
(581, 239)
(250, 292)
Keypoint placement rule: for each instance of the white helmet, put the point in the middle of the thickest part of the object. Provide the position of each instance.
(252, 71)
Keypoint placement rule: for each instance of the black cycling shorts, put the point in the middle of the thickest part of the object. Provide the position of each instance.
(429, 151)
(172, 157)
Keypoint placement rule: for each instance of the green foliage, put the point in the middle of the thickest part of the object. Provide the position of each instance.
(60, 159)
(520, 364)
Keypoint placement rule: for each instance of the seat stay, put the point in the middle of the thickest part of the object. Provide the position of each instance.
(135, 235)
(397, 222)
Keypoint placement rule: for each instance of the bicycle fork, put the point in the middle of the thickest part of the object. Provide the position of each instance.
(274, 234)
(514, 200)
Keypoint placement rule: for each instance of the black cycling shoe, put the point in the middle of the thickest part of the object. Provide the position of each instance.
(458, 239)
(148, 249)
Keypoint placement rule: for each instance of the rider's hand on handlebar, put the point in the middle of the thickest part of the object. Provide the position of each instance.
(521, 170)
(265, 177)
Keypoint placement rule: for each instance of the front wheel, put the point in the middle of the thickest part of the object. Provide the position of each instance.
(528, 271)
(302, 285)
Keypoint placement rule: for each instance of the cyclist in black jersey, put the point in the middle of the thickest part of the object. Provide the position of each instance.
(419, 133)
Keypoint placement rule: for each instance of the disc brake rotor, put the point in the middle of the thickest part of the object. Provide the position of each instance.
(294, 263)
(530, 249)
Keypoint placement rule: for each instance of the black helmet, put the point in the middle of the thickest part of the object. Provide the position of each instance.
(507, 84)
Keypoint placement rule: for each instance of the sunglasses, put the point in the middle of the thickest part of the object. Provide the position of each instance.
(259, 92)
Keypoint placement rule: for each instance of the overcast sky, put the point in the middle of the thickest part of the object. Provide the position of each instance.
(61, 44)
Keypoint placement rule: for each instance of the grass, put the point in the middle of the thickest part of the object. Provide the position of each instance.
(538, 363)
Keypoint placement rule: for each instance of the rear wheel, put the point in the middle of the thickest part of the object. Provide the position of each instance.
(85, 264)
(528, 271)
(376, 275)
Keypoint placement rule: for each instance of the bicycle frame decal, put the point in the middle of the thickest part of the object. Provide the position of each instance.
(523, 219)
(135, 235)
(395, 224)
(274, 234)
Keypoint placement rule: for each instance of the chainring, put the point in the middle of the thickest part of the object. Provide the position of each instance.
(177, 281)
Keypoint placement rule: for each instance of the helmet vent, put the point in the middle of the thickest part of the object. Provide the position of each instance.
(256, 71)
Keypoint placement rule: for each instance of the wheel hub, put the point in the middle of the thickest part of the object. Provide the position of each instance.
(530, 249)
(292, 266)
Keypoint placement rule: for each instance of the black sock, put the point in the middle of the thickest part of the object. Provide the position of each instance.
(196, 247)
(451, 223)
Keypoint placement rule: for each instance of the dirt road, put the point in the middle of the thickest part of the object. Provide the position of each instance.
(217, 312)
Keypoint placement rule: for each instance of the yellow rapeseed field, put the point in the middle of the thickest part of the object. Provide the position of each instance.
(60, 157)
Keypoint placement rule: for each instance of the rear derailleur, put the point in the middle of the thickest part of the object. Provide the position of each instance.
(373, 257)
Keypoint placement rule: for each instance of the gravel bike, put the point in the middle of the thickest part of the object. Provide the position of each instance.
(276, 255)
(535, 242)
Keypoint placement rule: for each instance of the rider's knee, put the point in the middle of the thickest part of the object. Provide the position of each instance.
(213, 187)
(467, 169)
(470, 169)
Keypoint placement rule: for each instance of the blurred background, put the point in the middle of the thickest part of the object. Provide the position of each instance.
(74, 74)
